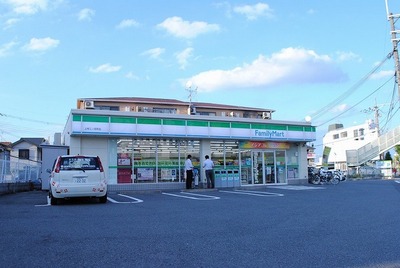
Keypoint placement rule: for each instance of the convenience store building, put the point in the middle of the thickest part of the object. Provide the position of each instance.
(143, 142)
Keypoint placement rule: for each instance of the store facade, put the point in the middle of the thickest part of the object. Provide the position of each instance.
(147, 151)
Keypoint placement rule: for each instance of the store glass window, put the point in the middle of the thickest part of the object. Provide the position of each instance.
(124, 160)
(191, 147)
(225, 154)
(145, 162)
(168, 161)
(245, 172)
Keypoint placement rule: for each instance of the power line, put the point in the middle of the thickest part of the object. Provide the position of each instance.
(351, 90)
(30, 120)
(345, 111)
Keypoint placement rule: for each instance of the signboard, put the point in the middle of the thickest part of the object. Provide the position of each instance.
(130, 126)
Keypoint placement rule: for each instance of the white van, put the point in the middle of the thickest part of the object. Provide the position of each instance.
(77, 176)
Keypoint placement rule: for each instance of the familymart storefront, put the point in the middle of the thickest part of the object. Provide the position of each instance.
(148, 151)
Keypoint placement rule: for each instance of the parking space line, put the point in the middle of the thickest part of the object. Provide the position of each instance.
(255, 193)
(125, 202)
(193, 196)
(296, 187)
(48, 203)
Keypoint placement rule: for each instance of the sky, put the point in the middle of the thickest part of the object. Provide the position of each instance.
(324, 60)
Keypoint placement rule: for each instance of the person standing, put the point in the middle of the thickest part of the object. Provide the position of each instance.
(189, 172)
(208, 165)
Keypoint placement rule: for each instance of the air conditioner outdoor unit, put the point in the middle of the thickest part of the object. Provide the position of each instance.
(266, 115)
(191, 110)
(89, 104)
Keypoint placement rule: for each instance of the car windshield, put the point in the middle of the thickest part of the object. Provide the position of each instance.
(85, 163)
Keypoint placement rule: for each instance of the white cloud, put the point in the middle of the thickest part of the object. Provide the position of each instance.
(132, 76)
(348, 56)
(340, 108)
(10, 23)
(105, 68)
(127, 24)
(41, 44)
(288, 66)
(6, 48)
(255, 11)
(177, 27)
(86, 14)
(154, 53)
(183, 57)
(27, 7)
(382, 74)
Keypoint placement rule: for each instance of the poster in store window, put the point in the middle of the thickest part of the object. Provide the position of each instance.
(168, 174)
(124, 159)
(145, 174)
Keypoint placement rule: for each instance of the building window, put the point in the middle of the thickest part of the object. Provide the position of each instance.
(207, 113)
(361, 131)
(355, 133)
(164, 110)
(335, 136)
(343, 134)
(23, 153)
(107, 108)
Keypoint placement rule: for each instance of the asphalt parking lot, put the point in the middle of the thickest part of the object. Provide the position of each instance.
(353, 224)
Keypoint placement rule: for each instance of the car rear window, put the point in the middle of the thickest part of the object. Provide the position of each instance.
(74, 163)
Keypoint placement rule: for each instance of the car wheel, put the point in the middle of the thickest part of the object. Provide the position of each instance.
(103, 199)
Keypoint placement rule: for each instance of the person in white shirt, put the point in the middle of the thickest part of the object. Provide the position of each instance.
(189, 172)
(208, 165)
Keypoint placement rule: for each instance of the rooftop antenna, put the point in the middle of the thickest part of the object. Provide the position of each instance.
(191, 89)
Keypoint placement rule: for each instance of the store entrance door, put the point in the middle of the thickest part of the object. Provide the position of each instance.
(264, 167)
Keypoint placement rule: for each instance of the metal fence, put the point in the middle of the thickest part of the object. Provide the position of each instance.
(374, 148)
(18, 170)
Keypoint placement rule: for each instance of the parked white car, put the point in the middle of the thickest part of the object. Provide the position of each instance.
(77, 176)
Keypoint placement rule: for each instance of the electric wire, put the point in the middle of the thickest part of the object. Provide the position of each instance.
(30, 120)
(346, 110)
(350, 91)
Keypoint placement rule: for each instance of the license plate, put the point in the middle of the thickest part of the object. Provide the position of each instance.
(80, 180)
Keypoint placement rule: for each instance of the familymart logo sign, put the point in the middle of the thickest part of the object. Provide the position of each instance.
(269, 134)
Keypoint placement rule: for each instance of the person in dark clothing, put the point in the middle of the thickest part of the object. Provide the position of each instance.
(189, 172)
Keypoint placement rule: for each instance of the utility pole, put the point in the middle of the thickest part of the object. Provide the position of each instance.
(375, 109)
(393, 18)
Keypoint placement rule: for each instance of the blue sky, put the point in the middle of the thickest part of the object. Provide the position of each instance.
(300, 58)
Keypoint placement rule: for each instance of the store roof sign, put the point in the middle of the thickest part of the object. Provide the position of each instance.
(156, 127)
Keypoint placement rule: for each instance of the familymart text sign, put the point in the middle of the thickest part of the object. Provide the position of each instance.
(269, 134)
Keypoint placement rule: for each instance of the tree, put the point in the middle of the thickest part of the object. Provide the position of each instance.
(388, 156)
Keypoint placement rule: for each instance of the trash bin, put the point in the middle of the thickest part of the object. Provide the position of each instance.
(217, 178)
(236, 178)
(229, 176)
(223, 178)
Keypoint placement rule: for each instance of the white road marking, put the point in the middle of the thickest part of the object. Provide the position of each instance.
(296, 187)
(126, 196)
(255, 193)
(48, 203)
(193, 196)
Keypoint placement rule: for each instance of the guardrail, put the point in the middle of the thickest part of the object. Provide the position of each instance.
(374, 148)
